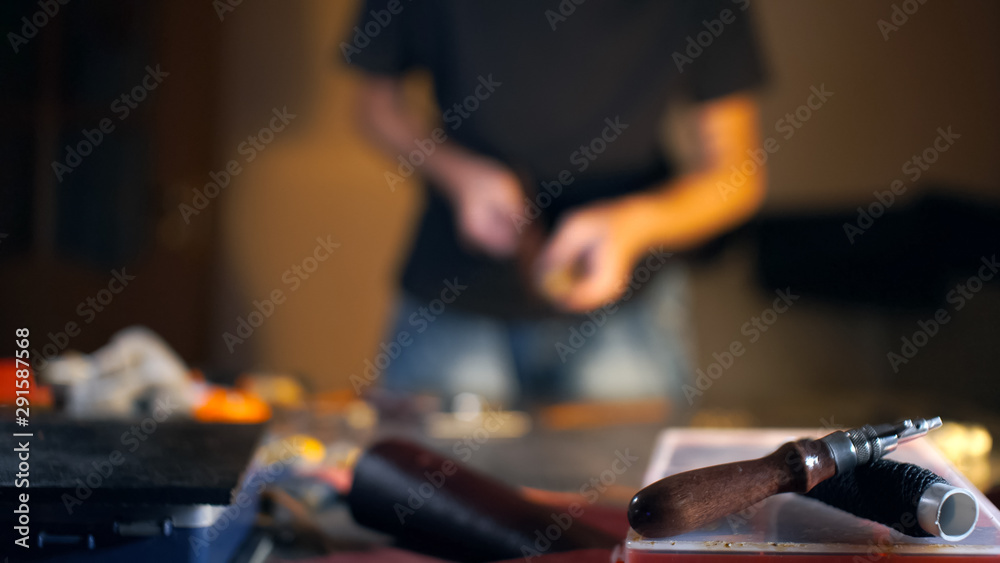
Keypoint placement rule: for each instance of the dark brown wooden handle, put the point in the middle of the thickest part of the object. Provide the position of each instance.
(686, 501)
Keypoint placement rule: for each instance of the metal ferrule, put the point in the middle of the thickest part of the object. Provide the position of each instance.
(861, 446)
(845, 454)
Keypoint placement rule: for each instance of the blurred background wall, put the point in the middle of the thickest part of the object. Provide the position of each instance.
(319, 179)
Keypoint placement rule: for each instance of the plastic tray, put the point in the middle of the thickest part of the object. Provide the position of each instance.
(789, 527)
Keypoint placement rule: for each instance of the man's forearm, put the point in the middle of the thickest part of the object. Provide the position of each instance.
(692, 209)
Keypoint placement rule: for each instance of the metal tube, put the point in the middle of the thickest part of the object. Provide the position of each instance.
(948, 512)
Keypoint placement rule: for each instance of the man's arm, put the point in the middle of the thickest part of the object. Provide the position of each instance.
(611, 236)
(483, 192)
(701, 205)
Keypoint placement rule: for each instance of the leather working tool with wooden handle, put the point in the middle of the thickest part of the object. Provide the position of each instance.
(686, 501)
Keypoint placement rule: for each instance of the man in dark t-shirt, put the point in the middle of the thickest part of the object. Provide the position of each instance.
(550, 203)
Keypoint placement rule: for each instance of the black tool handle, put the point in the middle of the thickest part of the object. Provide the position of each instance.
(438, 506)
(885, 492)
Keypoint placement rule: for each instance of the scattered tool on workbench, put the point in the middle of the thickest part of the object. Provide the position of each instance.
(440, 507)
(686, 501)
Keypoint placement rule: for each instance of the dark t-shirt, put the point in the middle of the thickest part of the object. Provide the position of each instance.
(571, 100)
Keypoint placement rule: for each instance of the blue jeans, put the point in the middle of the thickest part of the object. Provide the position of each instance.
(638, 349)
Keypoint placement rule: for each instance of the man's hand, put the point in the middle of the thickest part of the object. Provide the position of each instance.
(589, 259)
(486, 196)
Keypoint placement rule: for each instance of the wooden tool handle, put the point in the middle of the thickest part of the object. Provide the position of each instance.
(686, 501)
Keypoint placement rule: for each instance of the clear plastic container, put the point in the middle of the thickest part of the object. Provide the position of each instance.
(791, 528)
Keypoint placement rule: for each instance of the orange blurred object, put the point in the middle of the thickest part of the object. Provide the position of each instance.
(221, 404)
(38, 395)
